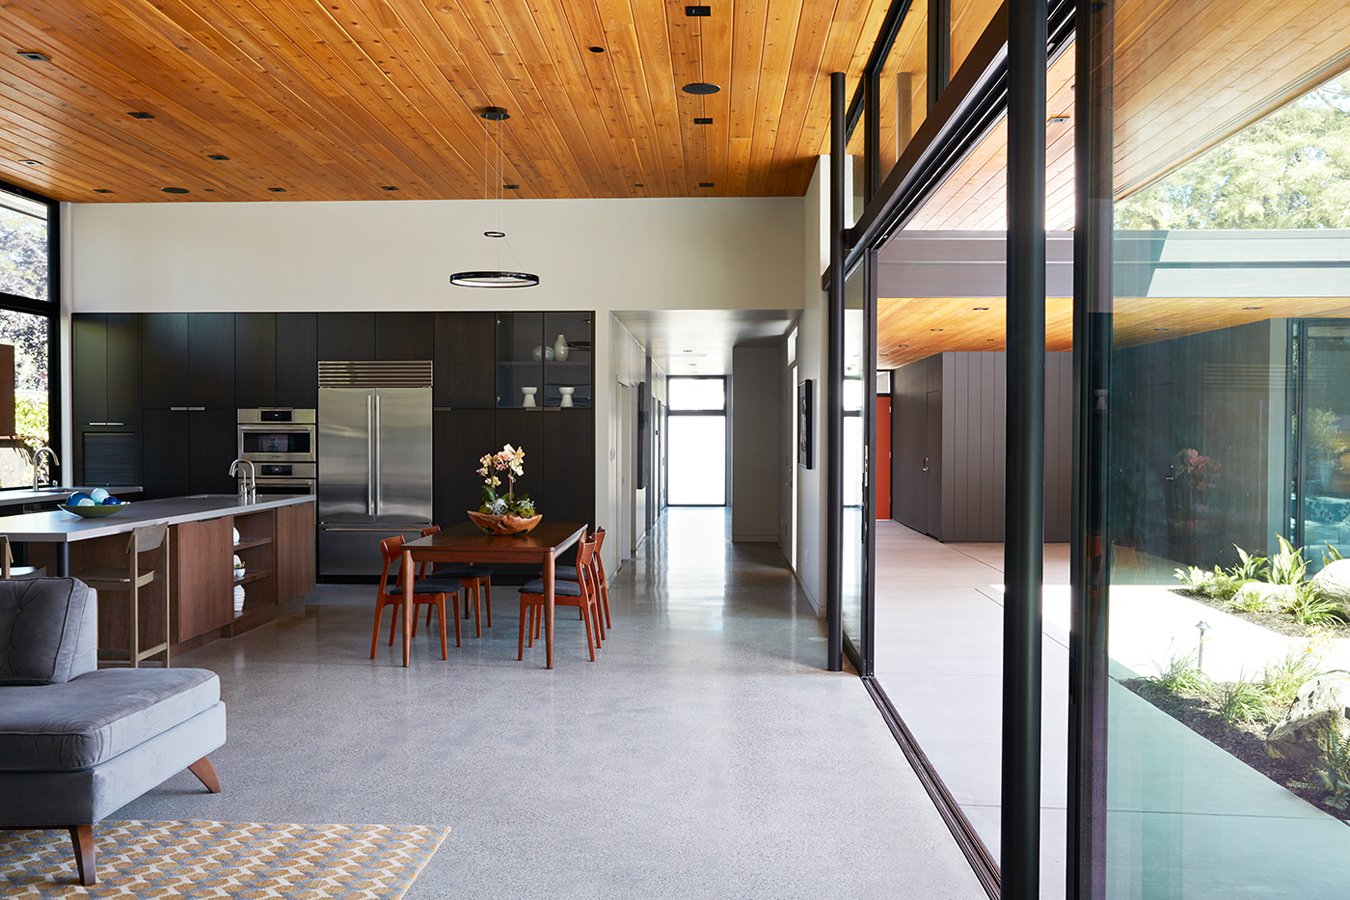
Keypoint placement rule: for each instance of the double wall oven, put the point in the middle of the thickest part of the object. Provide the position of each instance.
(281, 443)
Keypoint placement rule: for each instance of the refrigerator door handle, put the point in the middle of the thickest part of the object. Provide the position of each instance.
(379, 468)
(370, 455)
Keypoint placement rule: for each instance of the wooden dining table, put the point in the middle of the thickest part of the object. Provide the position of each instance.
(465, 543)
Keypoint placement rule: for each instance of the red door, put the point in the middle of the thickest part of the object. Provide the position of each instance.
(883, 457)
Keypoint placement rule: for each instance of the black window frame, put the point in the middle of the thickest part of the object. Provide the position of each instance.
(725, 413)
(51, 310)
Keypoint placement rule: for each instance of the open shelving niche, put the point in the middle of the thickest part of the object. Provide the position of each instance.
(256, 548)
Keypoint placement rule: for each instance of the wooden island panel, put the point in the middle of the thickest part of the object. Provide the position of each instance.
(202, 577)
(296, 567)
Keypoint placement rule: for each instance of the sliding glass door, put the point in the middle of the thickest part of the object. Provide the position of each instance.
(857, 389)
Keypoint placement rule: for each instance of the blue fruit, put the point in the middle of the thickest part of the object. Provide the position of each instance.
(87, 501)
(98, 495)
(76, 497)
(111, 501)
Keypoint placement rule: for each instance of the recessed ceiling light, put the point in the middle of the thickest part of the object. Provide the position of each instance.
(638, 184)
(218, 157)
(102, 191)
(698, 11)
(1162, 329)
(277, 190)
(935, 329)
(388, 187)
(174, 190)
(980, 308)
(701, 87)
(688, 351)
(35, 56)
(707, 184)
(1057, 120)
(141, 115)
(702, 120)
(596, 49)
(511, 187)
(1251, 307)
(30, 162)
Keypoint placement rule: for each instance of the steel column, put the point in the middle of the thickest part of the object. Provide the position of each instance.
(1024, 532)
(834, 378)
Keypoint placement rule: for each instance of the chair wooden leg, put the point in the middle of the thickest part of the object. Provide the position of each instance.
(520, 641)
(415, 617)
(375, 635)
(206, 774)
(440, 605)
(393, 625)
(487, 599)
(590, 641)
(82, 841)
(455, 601)
(429, 608)
(536, 617)
(477, 611)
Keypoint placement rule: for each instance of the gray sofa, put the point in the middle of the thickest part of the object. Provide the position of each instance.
(78, 742)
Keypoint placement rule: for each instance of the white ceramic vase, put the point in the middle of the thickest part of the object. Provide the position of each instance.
(567, 392)
(560, 350)
(529, 393)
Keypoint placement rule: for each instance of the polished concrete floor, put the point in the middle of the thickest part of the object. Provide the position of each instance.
(707, 754)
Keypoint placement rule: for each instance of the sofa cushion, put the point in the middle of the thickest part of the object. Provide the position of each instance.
(91, 719)
(48, 630)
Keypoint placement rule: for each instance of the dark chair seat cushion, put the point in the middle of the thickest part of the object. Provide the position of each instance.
(461, 570)
(560, 588)
(439, 586)
(100, 715)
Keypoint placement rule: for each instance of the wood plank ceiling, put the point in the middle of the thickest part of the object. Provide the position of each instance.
(373, 99)
(913, 329)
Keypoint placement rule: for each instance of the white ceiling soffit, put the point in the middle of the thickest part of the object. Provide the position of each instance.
(699, 341)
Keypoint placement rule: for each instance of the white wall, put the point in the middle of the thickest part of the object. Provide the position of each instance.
(812, 337)
(757, 375)
(601, 255)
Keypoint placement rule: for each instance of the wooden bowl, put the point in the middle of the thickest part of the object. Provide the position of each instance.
(508, 524)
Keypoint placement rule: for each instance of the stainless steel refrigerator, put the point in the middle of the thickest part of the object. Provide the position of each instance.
(374, 459)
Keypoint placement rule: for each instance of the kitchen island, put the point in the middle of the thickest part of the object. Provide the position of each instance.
(276, 545)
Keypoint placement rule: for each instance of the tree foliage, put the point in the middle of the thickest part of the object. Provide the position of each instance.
(1289, 170)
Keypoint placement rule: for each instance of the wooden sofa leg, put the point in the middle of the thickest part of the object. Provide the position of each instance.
(82, 840)
(206, 774)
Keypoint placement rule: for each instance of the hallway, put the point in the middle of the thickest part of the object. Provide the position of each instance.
(707, 753)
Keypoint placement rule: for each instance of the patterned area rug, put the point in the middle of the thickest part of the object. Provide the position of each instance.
(222, 859)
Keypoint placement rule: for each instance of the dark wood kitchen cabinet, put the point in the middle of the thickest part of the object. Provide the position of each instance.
(459, 438)
(567, 464)
(105, 362)
(187, 452)
(465, 361)
(404, 335)
(297, 360)
(346, 336)
(187, 360)
(255, 360)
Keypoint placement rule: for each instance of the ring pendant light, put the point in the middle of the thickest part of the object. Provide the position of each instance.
(499, 277)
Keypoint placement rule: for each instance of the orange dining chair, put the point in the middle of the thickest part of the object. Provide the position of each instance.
(579, 593)
(428, 593)
(472, 576)
(569, 573)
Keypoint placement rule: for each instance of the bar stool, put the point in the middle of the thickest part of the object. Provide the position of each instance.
(472, 576)
(146, 562)
(7, 568)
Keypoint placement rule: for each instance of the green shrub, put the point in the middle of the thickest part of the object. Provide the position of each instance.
(1311, 607)
(1241, 702)
(1180, 676)
(1288, 566)
(1333, 775)
(1281, 680)
(1249, 568)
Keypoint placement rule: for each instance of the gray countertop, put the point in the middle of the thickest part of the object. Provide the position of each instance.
(59, 526)
(19, 498)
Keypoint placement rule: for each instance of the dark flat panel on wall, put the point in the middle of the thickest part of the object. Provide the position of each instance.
(569, 466)
(210, 360)
(255, 360)
(212, 442)
(89, 366)
(465, 357)
(459, 438)
(124, 368)
(165, 466)
(524, 428)
(297, 360)
(346, 335)
(403, 335)
(164, 344)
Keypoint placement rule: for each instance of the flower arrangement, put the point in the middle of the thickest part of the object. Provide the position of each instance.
(1195, 470)
(509, 462)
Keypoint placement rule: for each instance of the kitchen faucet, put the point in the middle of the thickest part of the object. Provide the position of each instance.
(248, 485)
(37, 465)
